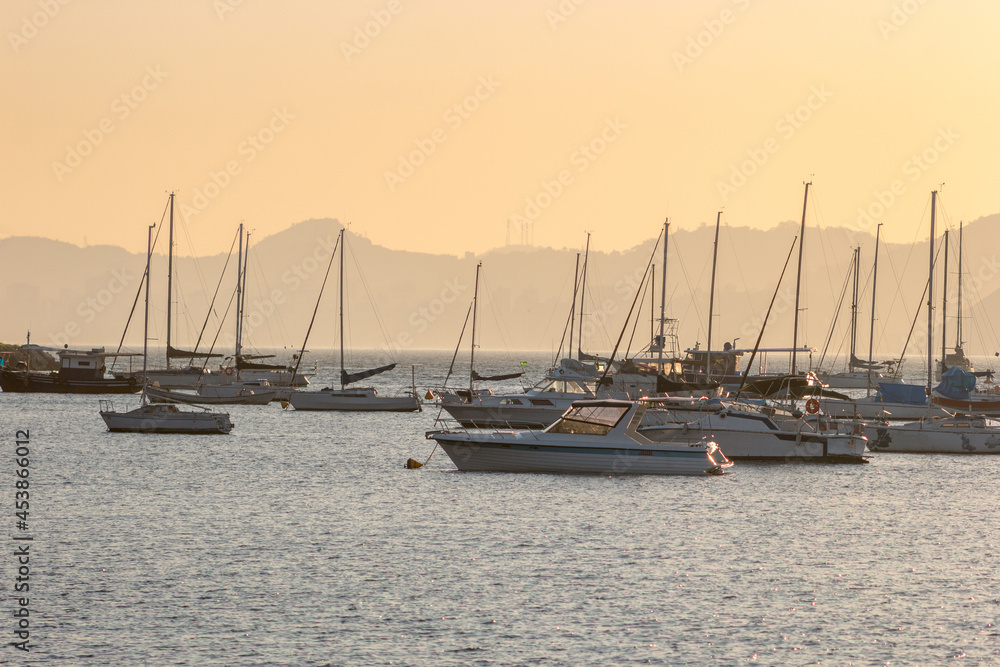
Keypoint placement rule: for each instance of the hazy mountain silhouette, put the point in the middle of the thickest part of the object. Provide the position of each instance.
(67, 294)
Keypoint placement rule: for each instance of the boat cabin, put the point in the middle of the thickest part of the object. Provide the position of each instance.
(82, 364)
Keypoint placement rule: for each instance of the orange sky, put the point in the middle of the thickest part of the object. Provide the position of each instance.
(449, 119)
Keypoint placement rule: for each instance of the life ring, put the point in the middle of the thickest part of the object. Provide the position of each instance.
(229, 371)
(812, 406)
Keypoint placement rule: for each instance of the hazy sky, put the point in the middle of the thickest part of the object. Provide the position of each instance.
(431, 124)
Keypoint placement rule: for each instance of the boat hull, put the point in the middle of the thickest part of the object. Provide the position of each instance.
(979, 405)
(46, 383)
(153, 419)
(352, 402)
(245, 398)
(852, 380)
(769, 445)
(913, 439)
(873, 409)
(521, 452)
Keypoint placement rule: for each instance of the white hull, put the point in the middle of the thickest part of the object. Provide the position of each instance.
(871, 408)
(963, 436)
(166, 419)
(247, 397)
(852, 380)
(520, 451)
(744, 433)
(361, 400)
(185, 379)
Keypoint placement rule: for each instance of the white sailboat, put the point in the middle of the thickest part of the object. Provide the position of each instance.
(356, 399)
(158, 417)
(936, 435)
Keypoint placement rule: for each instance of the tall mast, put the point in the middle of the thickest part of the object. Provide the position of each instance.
(854, 306)
(239, 295)
(652, 290)
(930, 301)
(583, 290)
(663, 291)
(798, 281)
(170, 272)
(145, 324)
(475, 307)
(944, 305)
(871, 331)
(958, 325)
(241, 306)
(711, 300)
(572, 308)
(342, 385)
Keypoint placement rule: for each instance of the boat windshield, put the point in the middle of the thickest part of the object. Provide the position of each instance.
(589, 420)
(563, 387)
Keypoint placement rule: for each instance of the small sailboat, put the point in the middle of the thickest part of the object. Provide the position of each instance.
(158, 417)
(360, 399)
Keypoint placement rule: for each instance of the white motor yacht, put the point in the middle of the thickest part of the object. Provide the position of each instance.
(592, 436)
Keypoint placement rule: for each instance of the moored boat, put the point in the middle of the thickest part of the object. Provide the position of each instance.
(164, 418)
(592, 436)
(747, 431)
(80, 372)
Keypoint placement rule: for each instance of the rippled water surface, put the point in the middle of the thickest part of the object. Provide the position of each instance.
(300, 539)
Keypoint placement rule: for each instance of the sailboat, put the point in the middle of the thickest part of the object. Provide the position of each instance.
(860, 374)
(957, 356)
(247, 368)
(360, 399)
(564, 383)
(936, 435)
(158, 417)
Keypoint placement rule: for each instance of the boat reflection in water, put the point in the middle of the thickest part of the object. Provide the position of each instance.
(592, 436)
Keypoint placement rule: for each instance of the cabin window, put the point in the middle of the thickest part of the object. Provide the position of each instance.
(589, 420)
(511, 401)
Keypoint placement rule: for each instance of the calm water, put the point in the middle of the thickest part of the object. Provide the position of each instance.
(300, 539)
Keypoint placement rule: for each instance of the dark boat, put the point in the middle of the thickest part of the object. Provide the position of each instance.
(80, 372)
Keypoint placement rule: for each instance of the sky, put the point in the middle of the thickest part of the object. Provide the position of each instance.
(452, 127)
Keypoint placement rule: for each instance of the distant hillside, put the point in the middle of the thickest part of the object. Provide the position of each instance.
(81, 296)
